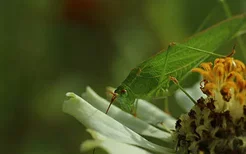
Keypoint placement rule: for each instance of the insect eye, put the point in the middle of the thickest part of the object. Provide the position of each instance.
(123, 91)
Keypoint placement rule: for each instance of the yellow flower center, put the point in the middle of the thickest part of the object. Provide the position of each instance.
(224, 81)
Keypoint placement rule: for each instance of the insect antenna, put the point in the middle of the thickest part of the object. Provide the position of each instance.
(112, 100)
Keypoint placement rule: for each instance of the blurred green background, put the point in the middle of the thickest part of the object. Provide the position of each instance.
(51, 47)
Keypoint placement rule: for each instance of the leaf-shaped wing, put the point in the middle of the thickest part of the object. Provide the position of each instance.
(152, 76)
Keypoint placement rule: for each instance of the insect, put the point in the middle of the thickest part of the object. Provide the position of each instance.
(150, 79)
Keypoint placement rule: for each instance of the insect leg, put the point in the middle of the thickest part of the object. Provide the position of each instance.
(163, 94)
(232, 52)
(134, 108)
(94, 151)
(181, 88)
(162, 126)
(166, 108)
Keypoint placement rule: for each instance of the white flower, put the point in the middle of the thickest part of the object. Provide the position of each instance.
(215, 124)
(119, 132)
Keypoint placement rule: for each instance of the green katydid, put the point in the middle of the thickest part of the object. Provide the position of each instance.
(150, 79)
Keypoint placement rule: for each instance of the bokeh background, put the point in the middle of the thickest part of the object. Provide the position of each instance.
(51, 47)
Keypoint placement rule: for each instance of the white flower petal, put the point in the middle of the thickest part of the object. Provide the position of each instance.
(111, 146)
(184, 100)
(157, 118)
(105, 125)
(128, 120)
(153, 115)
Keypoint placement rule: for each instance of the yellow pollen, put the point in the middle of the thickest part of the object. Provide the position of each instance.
(206, 66)
(206, 74)
(225, 77)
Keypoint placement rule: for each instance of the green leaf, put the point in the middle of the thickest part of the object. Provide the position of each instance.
(151, 78)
